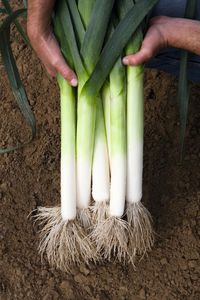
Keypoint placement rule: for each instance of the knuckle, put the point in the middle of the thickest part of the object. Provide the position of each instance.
(148, 53)
(55, 62)
(68, 74)
(132, 60)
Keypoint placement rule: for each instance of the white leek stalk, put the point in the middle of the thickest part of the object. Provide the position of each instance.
(62, 238)
(111, 234)
(68, 150)
(85, 145)
(118, 140)
(100, 169)
(96, 15)
(135, 99)
(138, 217)
(106, 109)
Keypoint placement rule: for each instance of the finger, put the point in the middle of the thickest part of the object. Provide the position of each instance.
(58, 65)
(139, 58)
(62, 68)
(150, 47)
(65, 71)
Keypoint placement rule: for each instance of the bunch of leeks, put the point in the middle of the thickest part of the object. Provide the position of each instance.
(101, 136)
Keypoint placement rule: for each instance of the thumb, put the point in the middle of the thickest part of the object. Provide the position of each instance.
(140, 57)
(151, 45)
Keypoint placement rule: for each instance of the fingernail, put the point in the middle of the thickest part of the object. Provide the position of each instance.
(125, 60)
(74, 82)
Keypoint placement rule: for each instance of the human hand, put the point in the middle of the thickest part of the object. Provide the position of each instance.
(44, 42)
(156, 38)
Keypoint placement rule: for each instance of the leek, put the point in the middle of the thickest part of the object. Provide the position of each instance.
(118, 140)
(139, 219)
(94, 137)
(87, 144)
(111, 234)
(100, 168)
(62, 238)
(106, 107)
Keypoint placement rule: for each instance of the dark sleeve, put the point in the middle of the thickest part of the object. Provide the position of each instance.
(168, 59)
(175, 8)
(170, 8)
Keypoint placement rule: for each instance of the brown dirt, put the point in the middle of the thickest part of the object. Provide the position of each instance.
(30, 177)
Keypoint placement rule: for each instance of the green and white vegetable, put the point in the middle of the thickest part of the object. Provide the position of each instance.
(68, 150)
(101, 136)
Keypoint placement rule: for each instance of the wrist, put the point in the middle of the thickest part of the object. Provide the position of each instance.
(39, 17)
(164, 26)
(171, 31)
(37, 30)
(178, 33)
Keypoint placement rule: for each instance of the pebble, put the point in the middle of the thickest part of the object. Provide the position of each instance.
(51, 282)
(191, 264)
(84, 270)
(183, 265)
(79, 278)
(53, 295)
(163, 261)
(3, 186)
(88, 290)
(66, 289)
(44, 273)
(142, 294)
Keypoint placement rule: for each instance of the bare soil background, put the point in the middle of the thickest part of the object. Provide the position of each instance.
(30, 178)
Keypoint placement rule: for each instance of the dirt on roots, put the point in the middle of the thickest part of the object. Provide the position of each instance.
(31, 177)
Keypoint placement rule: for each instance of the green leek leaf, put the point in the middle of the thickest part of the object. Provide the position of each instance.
(14, 77)
(17, 24)
(95, 33)
(116, 44)
(183, 86)
(60, 35)
(64, 15)
(85, 8)
(76, 18)
(3, 11)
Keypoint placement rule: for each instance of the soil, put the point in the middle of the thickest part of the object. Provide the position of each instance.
(31, 177)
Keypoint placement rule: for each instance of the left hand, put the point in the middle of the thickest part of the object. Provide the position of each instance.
(156, 38)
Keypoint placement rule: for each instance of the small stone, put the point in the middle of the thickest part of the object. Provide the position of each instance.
(183, 265)
(66, 289)
(44, 273)
(52, 295)
(79, 278)
(84, 270)
(194, 277)
(192, 264)
(88, 290)
(51, 282)
(163, 261)
(55, 295)
(3, 186)
(142, 294)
